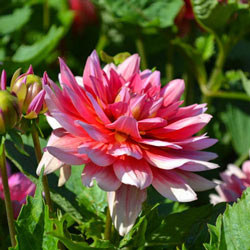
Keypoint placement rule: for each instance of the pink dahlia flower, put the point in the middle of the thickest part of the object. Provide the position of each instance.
(20, 187)
(234, 182)
(130, 133)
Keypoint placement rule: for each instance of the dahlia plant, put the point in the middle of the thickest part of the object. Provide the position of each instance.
(130, 133)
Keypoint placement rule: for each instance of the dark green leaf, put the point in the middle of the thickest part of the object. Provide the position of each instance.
(38, 51)
(159, 13)
(187, 227)
(237, 119)
(246, 83)
(12, 22)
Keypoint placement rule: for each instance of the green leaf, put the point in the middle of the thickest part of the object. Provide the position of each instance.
(246, 83)
(187, 227)
(232, 228)
(17, 140)
(41, 49)
(237, 119)
(33, 224)
(209, 12)
(146, 13)
(105, 57)
(75, 241)
(119, 58)
(16, 20)
(205, 46)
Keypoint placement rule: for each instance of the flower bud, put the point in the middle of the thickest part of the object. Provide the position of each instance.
(29, 90)
(9, 111)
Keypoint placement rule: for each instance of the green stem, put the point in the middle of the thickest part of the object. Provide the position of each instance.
(214, 81)
(140, 49)
(169, 64)
(46, 14)
(108, 226)
(38, 153)
(7, 200)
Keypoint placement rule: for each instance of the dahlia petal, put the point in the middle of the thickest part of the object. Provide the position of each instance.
(20, 186)
(151, 123)
(136, 105)
(153, 79)
(158, 143)
(100, 113)
(105, 177)
(50, 164)
(92, 68)
(167, 112)
(37, 103)
(232, 170)
(80, 105)
(65, 173)
(173, 187)
(65, 120)
(97, 152)
(94, 132)
(196, 143)
(198, 166)
(79, 80)
(215, 199)
(53, 122)
(67, 77)
(196, 182)
(125, 148)
(165, 160)
(99, 88)
(182, 129)
(63, 146)
(129, 67)
(189, 111)
(133, 172)
(126, 125)
(172, 91)
(3, 80)
(125, 204)
(118, 109)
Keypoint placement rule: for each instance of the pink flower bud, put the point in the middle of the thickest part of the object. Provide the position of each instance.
(9, 111)
(29, 90)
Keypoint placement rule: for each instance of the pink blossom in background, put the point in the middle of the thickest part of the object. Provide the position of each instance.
(20, 187)
(130, 133)
(234, 182)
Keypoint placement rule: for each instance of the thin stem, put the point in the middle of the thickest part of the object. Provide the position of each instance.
(108, 226)
(140, 48)
(7, 200)
(214, 81)
(38, 153)
(169, 64)
(46, 14)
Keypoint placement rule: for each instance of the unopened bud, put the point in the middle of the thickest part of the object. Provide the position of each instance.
(9, 111)
(29, 90)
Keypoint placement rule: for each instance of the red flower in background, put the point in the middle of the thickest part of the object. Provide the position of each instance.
(85, 14)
